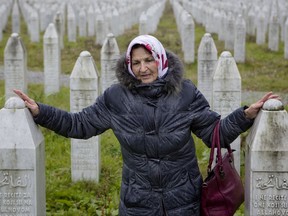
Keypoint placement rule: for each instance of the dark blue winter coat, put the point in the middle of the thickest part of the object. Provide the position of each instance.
(153, 123)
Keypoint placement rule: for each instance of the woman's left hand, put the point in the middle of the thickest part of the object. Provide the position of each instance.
(252, 111)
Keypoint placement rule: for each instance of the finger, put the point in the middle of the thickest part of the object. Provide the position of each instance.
(275, 97)
(32, 107)
(266, 97)
(258, 105)
(23, 96)
(28, 105)
(20, 94)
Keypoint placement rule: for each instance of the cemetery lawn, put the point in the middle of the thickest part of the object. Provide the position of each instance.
(263, 71)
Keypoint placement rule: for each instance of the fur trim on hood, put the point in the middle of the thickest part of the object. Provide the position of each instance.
(173, 77)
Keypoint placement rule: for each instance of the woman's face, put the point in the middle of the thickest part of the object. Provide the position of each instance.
(144, 65)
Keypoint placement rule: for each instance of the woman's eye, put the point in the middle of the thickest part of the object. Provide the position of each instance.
(135, 63)
(150, 60)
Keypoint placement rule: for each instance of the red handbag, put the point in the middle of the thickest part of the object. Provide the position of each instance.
(222, 190)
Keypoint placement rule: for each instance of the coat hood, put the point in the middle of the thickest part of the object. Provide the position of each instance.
(172, 80)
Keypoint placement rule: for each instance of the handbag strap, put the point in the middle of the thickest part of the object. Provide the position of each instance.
(216, 144)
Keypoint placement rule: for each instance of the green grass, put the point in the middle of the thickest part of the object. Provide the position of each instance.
(263, 71)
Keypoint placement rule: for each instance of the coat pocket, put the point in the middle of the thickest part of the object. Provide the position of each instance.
(136, 195)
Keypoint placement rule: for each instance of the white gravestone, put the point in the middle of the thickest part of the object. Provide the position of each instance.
(15, 18)
(286, 40)
(58, 22)
(143, 25)
(240, 40)
(116, 24)
(109, 55)
(188, 38)
(221, 30)
(51, 60)
(42, 16)
(35, 27)
(22, 162)
(216, 20)
(84, 89)
(227, 94)
(274, 33)
(121, 28)
(3, 20)
(91, 21)
(101, 29)
(251, 25)
(207, 60)
(71, 24)
(283, 14)
(209, 22)
(107, 13)
(153, 13)
(82, 25)
(177, 10)
(229, 32)
(261, 27)
(266, 166)
(15, 65)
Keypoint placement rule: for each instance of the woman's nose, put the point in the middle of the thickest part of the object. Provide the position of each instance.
(143, 66)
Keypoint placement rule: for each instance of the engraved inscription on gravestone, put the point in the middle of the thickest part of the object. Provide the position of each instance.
(16, 192)
(81, 99)
(85, 158)
(227, 101)
(270, 193)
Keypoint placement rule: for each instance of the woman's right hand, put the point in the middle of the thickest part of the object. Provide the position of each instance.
(29, 103)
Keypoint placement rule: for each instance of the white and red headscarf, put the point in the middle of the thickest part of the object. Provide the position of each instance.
(157, 50)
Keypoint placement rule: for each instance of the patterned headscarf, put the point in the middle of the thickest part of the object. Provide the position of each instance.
(157, 50)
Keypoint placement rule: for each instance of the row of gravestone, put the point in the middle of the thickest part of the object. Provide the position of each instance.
(91, 20)
(96, 18)
(186, 27)
(15, 62)
(227, 21)
(231, 23)
(266, 20)
(21, 178)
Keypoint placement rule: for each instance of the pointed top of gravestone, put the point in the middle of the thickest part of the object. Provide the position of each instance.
(207, 49)
(227, 69)
(273, 105)
(14, 45)
(85, 54)
(226, 54)
(51, 32)
(110, 35)
(14, 35)
(14, 103)
(84, 68)
(110, 46)
(207, 35)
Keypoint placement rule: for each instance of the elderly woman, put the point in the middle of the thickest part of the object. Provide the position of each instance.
(152, 111)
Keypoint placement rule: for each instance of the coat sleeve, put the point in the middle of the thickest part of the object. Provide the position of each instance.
(204, 121)
(233, 125)
(91, 121)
